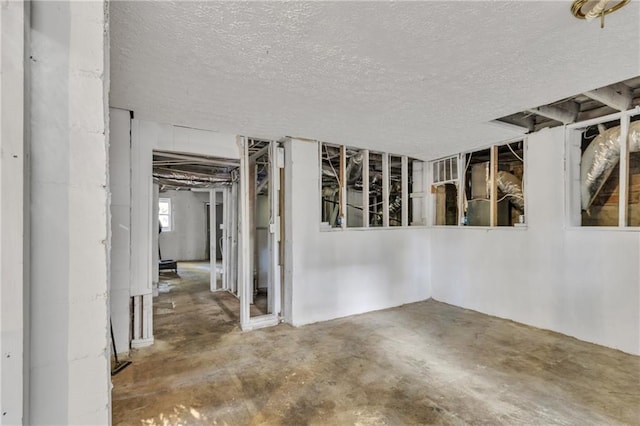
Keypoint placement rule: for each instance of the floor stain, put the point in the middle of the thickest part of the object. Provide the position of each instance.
(423, 363)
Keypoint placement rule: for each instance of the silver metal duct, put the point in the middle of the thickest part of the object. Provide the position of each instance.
(600, 158)
(186, 179)
(353, 170)
(511, 186)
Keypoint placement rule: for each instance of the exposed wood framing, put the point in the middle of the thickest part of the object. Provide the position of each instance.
(555, 113)
(385, 189)
(617, 96)
(623, 190)
(493, 196)
(405, 190)
(365, 188)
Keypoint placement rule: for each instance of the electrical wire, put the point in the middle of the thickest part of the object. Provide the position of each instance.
(514, 153)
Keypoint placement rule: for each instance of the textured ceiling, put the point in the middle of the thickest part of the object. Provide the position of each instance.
(420, 78)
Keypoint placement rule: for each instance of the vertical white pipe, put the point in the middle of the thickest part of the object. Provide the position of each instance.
(365, 188)
(623, 193)
(385, 189)
(405, 191)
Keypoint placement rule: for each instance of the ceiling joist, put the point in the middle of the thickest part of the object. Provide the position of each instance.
(618, 97)
(555, 113)
(199, 160)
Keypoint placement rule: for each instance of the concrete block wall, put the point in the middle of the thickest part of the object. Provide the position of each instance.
(120, 255)
(14, 292)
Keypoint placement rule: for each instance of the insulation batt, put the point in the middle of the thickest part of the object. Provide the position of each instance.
(601, 157)
(511, 186)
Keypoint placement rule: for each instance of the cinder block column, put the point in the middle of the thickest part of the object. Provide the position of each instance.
(69, 371)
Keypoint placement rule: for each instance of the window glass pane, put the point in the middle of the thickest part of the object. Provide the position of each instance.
(164, 220)
(375, 189)
(454, 168)
(416, 202)
(353, 173)
(330, 169)
(410, 163)
(509, 182)
(395, 190)
(163, 207)
(600, 174)
(634, 172)
(477, 188)
(164, 213)
(446, 197)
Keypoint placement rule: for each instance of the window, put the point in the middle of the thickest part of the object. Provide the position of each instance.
(605, 189)
(368, 189)
(164, 214)
(445, 190)
(488, 191)
(395, 191)
(376, 201)
(354, 160)
(331, 171)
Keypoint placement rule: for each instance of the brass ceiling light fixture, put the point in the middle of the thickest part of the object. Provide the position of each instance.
(592, 9)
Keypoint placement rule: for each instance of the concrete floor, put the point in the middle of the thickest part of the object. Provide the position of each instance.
(424, 363)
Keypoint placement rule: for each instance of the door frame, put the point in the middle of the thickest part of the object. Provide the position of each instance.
(245, 267)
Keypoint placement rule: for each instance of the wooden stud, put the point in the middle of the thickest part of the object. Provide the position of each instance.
(493, 196)
(623, 210)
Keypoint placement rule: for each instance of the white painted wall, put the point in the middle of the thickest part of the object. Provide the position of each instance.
(120, 187)
(580, 282)
(13, 292)
(69, 370)
(146, 137)
(338, 273)
(188, 238)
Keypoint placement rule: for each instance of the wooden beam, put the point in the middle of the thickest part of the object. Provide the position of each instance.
(343, 186)
(623, 193)
(365, 188)
(555, 113)
(203, 160)
(617, 97)
(493, 220)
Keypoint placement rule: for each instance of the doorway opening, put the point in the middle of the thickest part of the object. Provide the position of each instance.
(262, 283)
(195, 205)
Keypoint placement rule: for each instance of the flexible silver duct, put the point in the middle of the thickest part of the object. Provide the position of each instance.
(511, 186)
(353, 170)
(262, 185)
(600, 158)
(187, 179)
